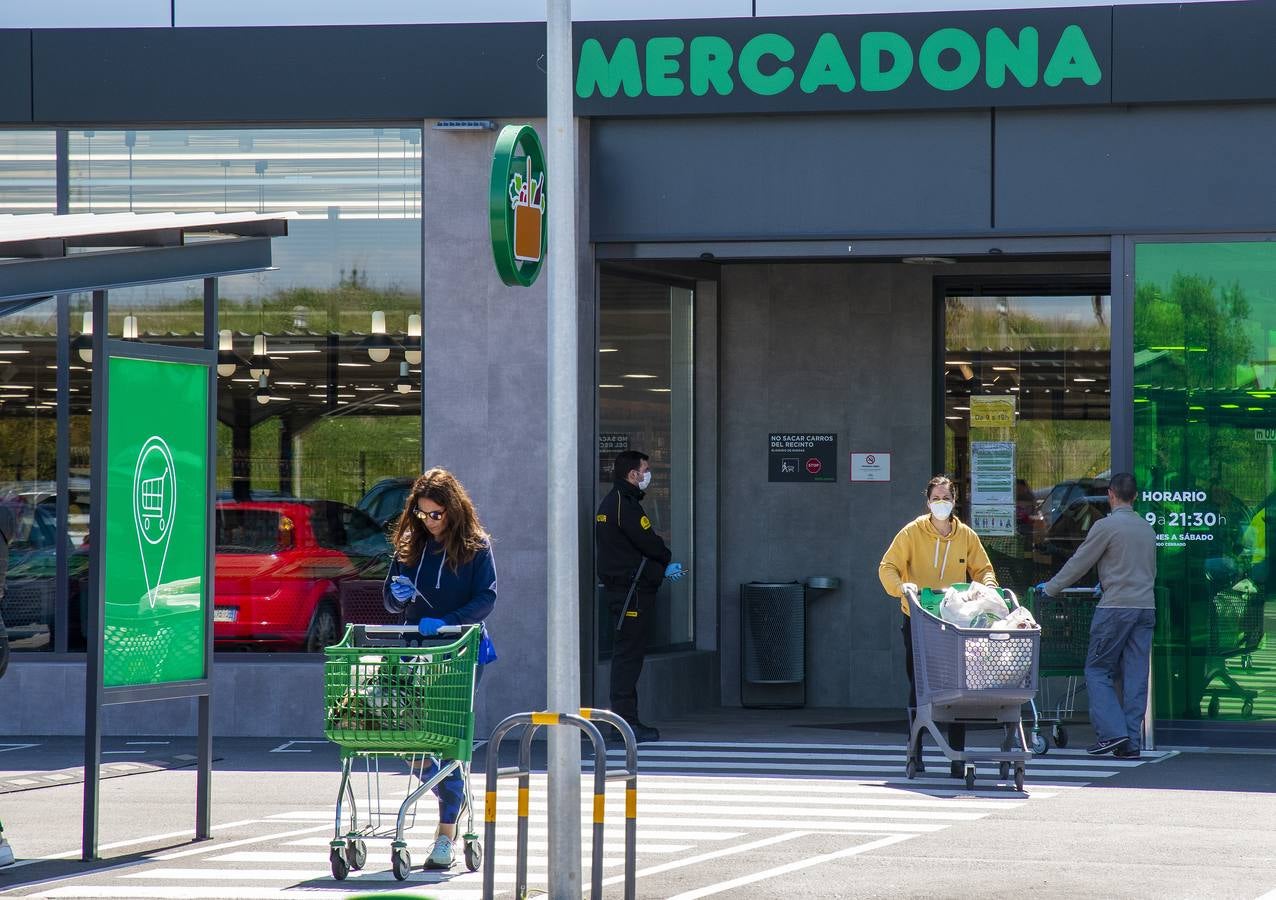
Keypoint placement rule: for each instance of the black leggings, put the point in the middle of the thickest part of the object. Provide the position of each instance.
(956, 731)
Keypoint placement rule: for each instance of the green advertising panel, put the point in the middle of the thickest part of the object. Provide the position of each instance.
(156, 522)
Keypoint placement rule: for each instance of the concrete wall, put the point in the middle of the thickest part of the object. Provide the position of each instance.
(847, 349)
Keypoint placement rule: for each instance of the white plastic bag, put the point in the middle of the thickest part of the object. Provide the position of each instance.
(1018, 618)
(979, 606)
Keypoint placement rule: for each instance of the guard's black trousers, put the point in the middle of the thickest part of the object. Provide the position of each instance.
(629, 649)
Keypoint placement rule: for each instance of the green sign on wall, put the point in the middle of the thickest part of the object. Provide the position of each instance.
(516, 205)
(156, 522)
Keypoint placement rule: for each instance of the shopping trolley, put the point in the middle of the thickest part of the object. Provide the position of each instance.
(1236, 629)
(1065, 642)
(390, 693)
(971, 676)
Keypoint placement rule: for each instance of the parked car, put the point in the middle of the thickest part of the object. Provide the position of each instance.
(384, 501)
(281, 565)
(1070, 526)
(1065, 493)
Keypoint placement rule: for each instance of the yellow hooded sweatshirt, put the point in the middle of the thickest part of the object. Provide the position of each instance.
(928, 559)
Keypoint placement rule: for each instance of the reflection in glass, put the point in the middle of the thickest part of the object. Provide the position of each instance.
(645, 404)
(1204, 439)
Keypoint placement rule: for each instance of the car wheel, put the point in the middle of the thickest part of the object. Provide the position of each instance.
(325, 627)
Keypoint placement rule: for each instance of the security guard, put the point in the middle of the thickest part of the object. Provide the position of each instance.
(632, 560)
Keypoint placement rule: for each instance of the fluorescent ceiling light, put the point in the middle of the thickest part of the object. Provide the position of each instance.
(637, 375)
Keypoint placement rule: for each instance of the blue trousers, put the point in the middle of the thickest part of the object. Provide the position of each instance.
(451, 790)
(1120, 647)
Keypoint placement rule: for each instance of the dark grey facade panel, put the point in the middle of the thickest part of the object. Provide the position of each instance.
(324, 74)
(15, 75)
(790, 177)
(1150, 168)
(1193, 52)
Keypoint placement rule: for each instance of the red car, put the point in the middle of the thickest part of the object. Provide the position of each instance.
(282, 566)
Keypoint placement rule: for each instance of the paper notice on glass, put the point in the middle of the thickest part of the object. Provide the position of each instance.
(990, 520)
(992, 472)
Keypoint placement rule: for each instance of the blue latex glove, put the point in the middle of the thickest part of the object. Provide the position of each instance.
(1040, 590)
(674, 571)
(401, 590)
(430, 627)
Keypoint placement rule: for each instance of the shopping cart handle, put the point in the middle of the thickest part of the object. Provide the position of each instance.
(451, 629)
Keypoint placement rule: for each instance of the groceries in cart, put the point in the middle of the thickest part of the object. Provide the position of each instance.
(980, 606)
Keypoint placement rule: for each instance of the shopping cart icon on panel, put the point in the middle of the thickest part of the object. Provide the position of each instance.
(153, 501)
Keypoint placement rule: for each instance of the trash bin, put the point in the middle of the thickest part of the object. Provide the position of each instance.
(773, 638)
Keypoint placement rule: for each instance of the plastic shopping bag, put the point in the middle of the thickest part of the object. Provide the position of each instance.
(1018, 618)
(978, 606)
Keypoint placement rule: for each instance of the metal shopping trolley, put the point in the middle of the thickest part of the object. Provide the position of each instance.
(390, 693)
(971, 676)
(1236, 629)
(1065, 641)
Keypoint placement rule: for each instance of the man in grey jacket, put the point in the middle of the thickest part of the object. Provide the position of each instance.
(1123, 546)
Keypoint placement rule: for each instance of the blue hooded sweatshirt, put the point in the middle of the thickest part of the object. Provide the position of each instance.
(462, 597)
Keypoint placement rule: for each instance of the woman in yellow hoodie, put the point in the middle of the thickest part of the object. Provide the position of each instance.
(933, 551)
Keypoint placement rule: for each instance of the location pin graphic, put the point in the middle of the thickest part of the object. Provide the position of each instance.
(154, 504)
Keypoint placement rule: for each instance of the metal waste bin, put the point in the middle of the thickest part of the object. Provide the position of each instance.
(773, 638)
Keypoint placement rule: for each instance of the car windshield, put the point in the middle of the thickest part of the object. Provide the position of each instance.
(247, 531)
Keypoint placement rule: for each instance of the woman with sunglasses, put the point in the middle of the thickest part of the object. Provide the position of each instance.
(442, 573)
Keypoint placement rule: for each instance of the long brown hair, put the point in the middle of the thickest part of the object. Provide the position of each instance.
(463, 535)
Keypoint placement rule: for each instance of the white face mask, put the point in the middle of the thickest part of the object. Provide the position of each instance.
(941, 509)
(645, 481)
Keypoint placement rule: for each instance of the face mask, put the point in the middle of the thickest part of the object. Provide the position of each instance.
(941, 509)
(645, 481)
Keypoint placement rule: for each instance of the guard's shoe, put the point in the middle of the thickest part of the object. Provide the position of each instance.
(1126, 752)
(1106, 745)
(644, 734)
(440, 854)
(6, 852)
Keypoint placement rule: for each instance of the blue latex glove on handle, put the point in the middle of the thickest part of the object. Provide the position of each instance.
(401, 590)
(674, 571)
(430, 627)
(1040, 590)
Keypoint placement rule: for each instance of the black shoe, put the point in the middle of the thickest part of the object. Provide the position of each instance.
(1106, 746)
(644, 734)
(1126, 752)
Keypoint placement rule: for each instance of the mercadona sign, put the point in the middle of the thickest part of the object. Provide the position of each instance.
(845, 63)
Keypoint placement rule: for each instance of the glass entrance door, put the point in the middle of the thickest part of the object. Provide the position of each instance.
(1204, 440)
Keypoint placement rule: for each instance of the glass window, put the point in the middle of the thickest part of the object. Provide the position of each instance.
(645, 404)
(319, 360)
(1205, 460)
(28, 172)
(1027, 430)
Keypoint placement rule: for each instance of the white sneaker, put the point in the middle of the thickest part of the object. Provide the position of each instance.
(6, 852)
(440, 854)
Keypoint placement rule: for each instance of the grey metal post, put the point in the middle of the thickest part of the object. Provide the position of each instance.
(62, 453)
(204, 714)
(93, 693)
(563, 637)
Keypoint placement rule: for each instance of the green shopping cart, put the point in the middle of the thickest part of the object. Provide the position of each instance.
(391, 694)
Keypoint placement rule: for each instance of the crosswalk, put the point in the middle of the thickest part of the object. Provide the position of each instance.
(697, 802)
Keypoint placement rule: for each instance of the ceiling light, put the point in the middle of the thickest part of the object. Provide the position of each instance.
(660, 390)
(263, 393)
(130, 328)
(1003, 368)
(637, 375)
(962, 407)
(1084, 380)
(403, 384)
(412, 346)
(378, 343)
(355, 365)
(259, 362)
(611, 385)
(608, 349)
(227, 359)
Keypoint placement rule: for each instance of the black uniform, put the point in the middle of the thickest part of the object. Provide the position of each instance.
(624, 538)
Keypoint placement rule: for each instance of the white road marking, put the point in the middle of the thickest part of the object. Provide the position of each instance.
(147, 743)
(284, 748)
(5, 748)
(776, 871)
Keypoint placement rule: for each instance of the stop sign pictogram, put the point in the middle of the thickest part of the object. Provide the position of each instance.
(814, 466)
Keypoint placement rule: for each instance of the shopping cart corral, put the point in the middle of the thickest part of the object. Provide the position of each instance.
(971, 676)
(1065, 641)
(391, 697)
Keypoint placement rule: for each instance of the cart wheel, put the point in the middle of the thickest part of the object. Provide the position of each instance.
(1039, 746)
(1019, 778)
(473, 855)
(401, 863)
(1060, 736)
(356, 855)
(340, 868)
(1213, 708)
(970, 778)
(1247, 708)
(910, 769)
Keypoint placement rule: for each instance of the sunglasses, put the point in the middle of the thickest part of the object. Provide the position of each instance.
(434, 514)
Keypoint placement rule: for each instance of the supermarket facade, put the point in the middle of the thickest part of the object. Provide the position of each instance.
(822, 257)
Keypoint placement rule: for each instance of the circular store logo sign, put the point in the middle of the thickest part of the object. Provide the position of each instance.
(516, 205)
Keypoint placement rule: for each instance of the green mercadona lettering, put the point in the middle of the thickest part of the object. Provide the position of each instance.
(768, 64)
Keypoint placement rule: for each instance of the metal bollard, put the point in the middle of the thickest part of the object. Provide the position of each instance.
(532, 722)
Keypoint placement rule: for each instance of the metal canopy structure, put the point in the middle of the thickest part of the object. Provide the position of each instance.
(43, 255)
